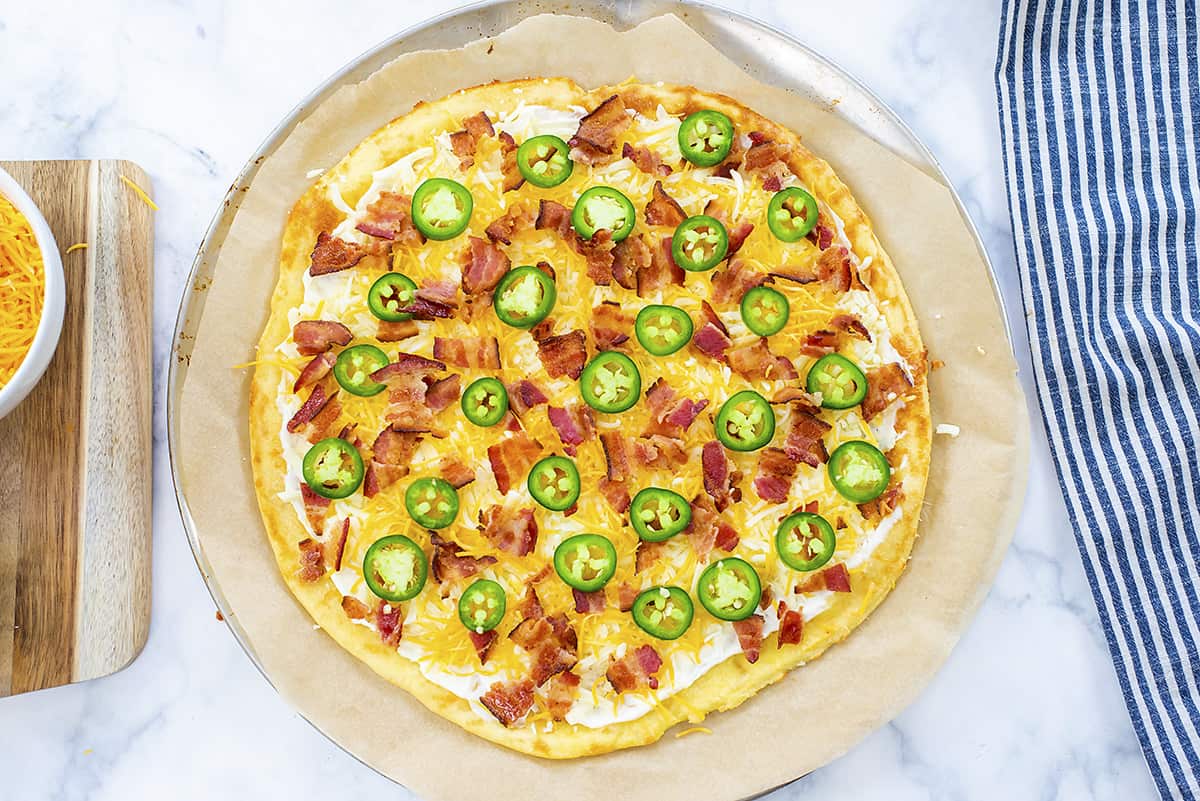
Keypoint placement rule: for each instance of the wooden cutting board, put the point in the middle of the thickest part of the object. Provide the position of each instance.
(75, 493)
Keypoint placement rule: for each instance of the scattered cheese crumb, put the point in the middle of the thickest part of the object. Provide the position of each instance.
(314, 173)
(937, 364)
(982, 352)
(316, 627)
(140, 193)
(75, 247)
(949, 429)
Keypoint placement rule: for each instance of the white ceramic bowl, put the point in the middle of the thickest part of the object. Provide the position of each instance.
(45, 341)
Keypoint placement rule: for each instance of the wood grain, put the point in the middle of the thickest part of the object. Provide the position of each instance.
(75, 522)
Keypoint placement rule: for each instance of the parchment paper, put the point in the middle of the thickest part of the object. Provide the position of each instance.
(975, 488)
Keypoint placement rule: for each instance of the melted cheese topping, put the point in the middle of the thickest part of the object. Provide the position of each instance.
(22, 288)
(433, 636)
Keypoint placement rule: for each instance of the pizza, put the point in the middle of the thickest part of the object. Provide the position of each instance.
(582, 414)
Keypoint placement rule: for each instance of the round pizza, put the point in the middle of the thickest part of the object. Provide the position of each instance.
(580, 414)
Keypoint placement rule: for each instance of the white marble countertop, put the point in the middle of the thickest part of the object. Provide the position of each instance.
(1027, 706)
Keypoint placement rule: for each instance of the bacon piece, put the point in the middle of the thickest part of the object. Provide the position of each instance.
(821, 235)
(483, 265)
(750, 636)
(630, 256)
(390, 623)
(561, 693)
(819, 343)
(574, 424)
(791, 626)
(552, 643)
(443, 292)
(610, 325)
(331, 255)
(518, 218)
(775, 472)
(511, 459)
(555, 217)
(477, 352)
(315, 508)
(635, 669)
(543, 330)
(314, 371)
(338, 546)
(884, 385)
(756, 362)
(661, 451)
(447, 564)
(671, 414)
(661, 271)
(563, 355)
(837, 578)
(598, 252)
(531, 606)
(390, 218)
(390, 458)
(483, 643)
(769, 160)
(834, 270)
(317, 336)
(317, 400)
(719, 479)
(511, 530)
(323, 421)
(646, 554)
(702, 530)
(424, 308)
(645, 159)
(616, 455)
(509, 701)
(455, 472)
(662, 208)
(596, 137)
(312, 559)
(626, 595)
(884, 505)
(394, 332)
(508, 163)
(443, 392)
(354, 608)
(737, 233)
(804, 441)
(407, 410)
(730, 284)
(615, 494)
(523, 395)
(710, 341)
(465, 142)
(727, 538)
(588, 602)
(850, 324)
(797, 397)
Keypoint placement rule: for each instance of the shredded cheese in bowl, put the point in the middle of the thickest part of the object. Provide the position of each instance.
(22, 288)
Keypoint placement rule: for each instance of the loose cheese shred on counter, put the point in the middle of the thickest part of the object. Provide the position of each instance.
(693, 730)
(22, 289)
(76, 246)
(140, 193)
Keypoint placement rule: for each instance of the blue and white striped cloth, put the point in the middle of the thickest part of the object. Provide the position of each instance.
(1100, 118)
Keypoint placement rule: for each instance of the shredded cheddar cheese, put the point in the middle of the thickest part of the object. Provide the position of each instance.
(141, 193)
(694, 730)
(22, 289)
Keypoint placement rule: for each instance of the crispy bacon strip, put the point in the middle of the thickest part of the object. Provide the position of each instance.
(645, 159)
(658, 450)
(317, 336)
(588, 602)
(750, 636)
(465, 142)
(483, 643)
(555, 217)
(611, 326)
(474, 352)
(390, 623)
(574, 423)
(710, 341)
(508, 163)
(756, 362)
(443, 393)
(564, 354)
(737, 233)
(511, 459)
(561, 692)
(661, 271)
(646, 554)
(884, 385)
(447, 564)
(443, 292)
(502, 229)
(407, 409)
(835, 578)
(796, 397)
(727, 538)
(317, 400)
(720, 480)
(616, 455)
(819, 343)
(596, 137)
(791, 626)
(768, 160)
(730, 284)
(323, 422)
(635, 669)
(509, 701)
(804, 441)
(394, 332)
(312, 559)
(314, 371)
(598, 253)
(671, 415)
(552, 643)
(626, 595)
(615, 495)
(511, 530)
(776, 469)
(850, 324)
(662, 208)
(457, 474)
(523, 395)
(483, 265)
(390, 457)
(390, 218)
(630, 257)
(331, 255)
(315, 508)
(884, 505)
(821, 235)
(354, 608)
(702, 530)
(338, 546)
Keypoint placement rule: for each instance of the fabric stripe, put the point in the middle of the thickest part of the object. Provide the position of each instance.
(1097, 114)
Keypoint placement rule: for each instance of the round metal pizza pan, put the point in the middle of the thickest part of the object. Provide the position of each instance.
(767, 54)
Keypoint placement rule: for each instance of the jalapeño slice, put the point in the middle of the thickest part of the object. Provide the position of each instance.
(791, 214)
(481, 606)
(859, 471)
(585, 562)
(432, 502)
(353, 370)
(390, 293)
(729, 589)
(840, 381)
(441, 208)
(659, 514)
(662, 330)
(395, 568)
(765, 310)
(524, 297)
(805, 541)
(746, 422)
(333, 468)
(699, 243)
(554, 483)
(663, 612)
(610, 382)
(705, 137)
(603, 208)
(545, 161)
(485, 402)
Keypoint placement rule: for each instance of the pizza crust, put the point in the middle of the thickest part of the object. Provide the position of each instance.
(726, 685)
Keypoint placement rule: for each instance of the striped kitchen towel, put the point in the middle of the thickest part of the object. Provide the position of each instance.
(1100, 118)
